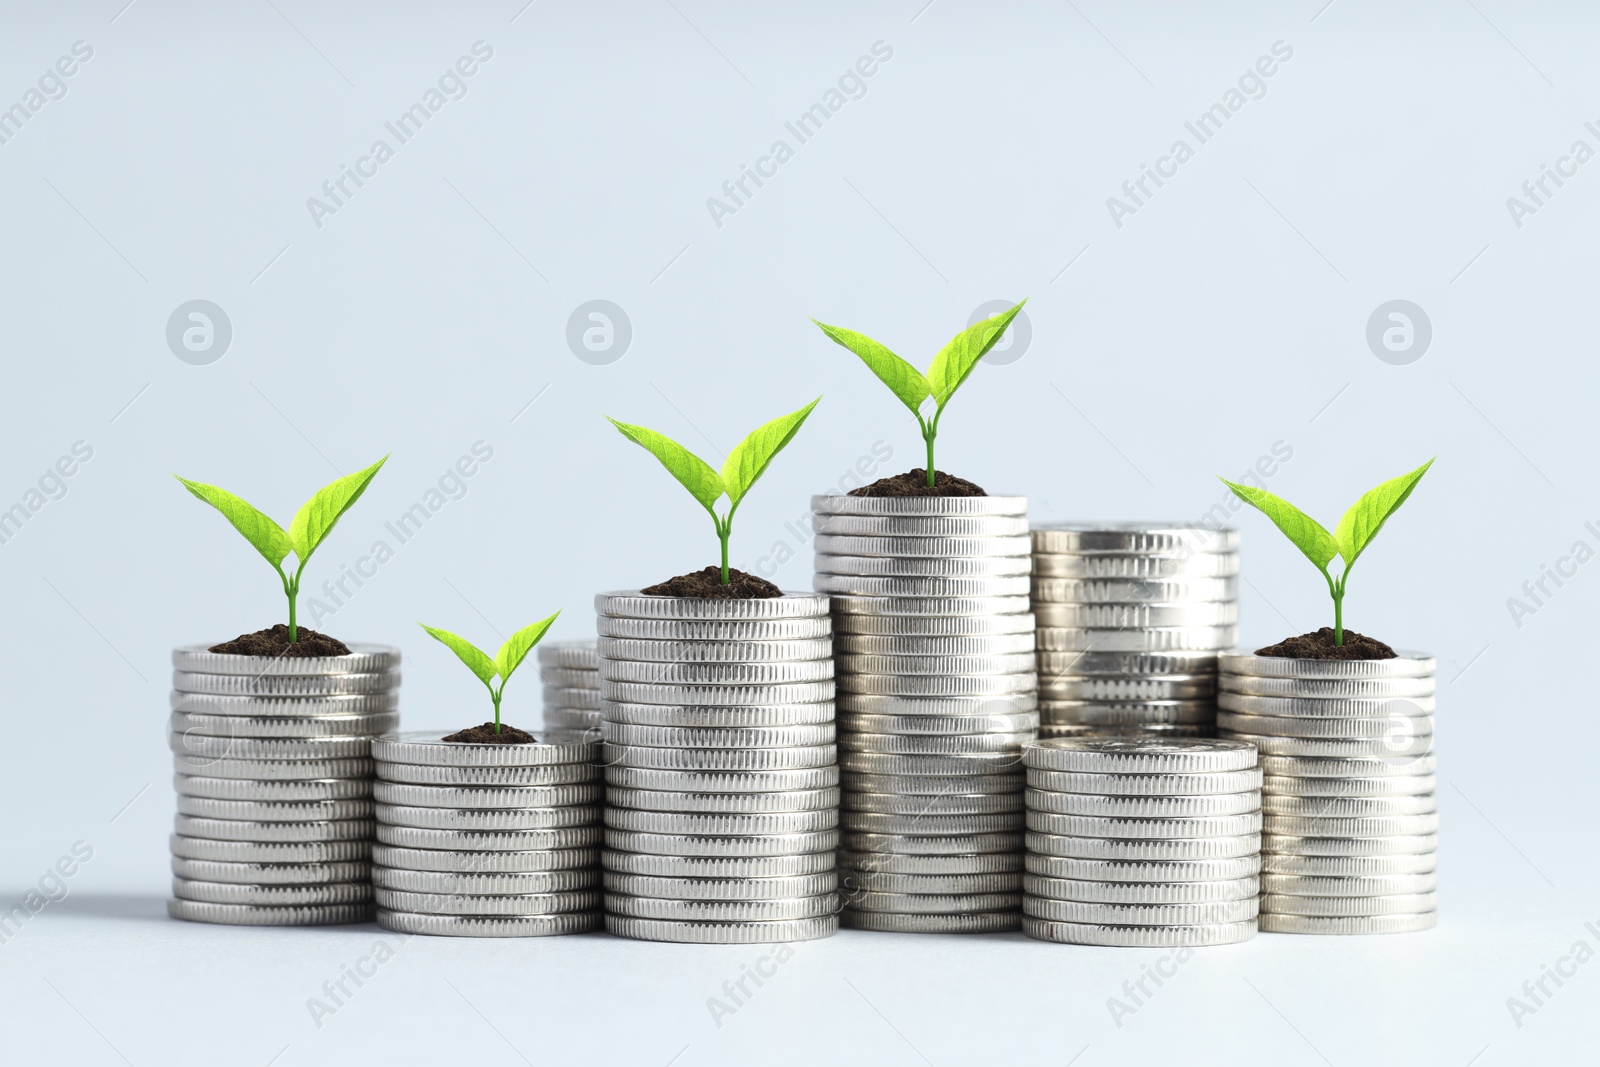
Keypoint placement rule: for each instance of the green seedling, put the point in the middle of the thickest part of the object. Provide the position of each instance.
(747, 462)
(311, 526)
(1349, 539)
(949, 369)
(508, 659)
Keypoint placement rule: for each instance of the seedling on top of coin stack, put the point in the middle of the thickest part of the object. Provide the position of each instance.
(311, 526)
(1349, 539)
(507, 660)
(950, 368)
(747, 462)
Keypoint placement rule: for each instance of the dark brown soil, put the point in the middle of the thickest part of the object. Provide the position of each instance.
(485, 735)
(274, 641)
(914, 482)
(708, 583)
(1319, 645)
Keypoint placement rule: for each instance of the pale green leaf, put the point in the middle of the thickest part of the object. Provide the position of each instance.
(267, 536)
(751, 457)
(1307, 533)
(957, 359)
(1366, 516)
(477, 661)
(694, 473)
(906, 381)
(318, 516)
(517, 647)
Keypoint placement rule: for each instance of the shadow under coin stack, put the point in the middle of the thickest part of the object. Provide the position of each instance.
(1130, 618)
(274, 782)
(1351, 821)
(571, 674)
(1142, 842)
(722, 799)
(934, 649)
(486, 840)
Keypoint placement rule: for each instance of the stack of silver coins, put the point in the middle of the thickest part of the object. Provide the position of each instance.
(1131, 616)
(1351, 822)
(937, 693)
(486, 840)
(571, 674)
(1142, 841)
(274, 782)
(722, 798)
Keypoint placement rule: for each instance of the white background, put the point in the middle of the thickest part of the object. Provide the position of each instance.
(1226, 315)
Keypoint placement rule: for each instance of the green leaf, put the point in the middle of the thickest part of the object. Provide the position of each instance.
(517, 647)
(957, 359)
(751, 457)
(317, 517)
(906, 381)
(267, 536)
(694, 473)
(1307, 533)
(1366, 516)
(475, 658)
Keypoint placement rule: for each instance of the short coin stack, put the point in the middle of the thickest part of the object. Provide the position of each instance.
(934, 649)
(722, 799)
(1351, 822)
(1142, 842)
(486, 840)
(1130, 617)
(274, 782)
(571, 674)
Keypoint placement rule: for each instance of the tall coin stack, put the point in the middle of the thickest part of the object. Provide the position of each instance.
(486, 840)
(934, 650)
(1142, 842)
(274, 782)
(1351, 822)
(571, 674)
(722, 799)
(1131, 616)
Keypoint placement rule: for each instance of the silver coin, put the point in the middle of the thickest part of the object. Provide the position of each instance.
(497, 777)
(1348, 807)
(186, 723)
(1136, 640)
(942, 725)
(722, 824)
(1117, 666)
(1157, 871)
(1386, 786)
(941, 765)
(898, 923)
(1147, 785)
(700, 674)
(578, 653)
(935, 745)
(846, 605)
(1133, 538)
(489, 841)
(1181, 848)
(941, 885)
(287, 707)
(1202, 914)
(715, 629)
(722, 911)
(981, 685)
(879, 586)
(718, 737)
(674, 715)
(927, 547)
(190, 785)
(1120, 755)
(632, 604)
(947, 804)
(1352, 825)
(1394, 845)
(994, 645)
(273, 852)
(745, 652)
(363, 659)
(570, 677)
(570, 720)
(1120, 616)
(427, 748)
(969, 863)
(924, 626)
(719, 867)
(405, 922)
(1166, 828)
(1206, 805)
(933, 903)
(722, 933)
(881, 704)
(1100, 688)
(1118, 936)
(257, 915)
(715, 695)
(1295, 767)
(692, 845)
(1400, 730)
(1348, 866)
(931, 788)
(276, 811)
(272, 895)
(921, 525)
(280, 685)
(555, 696)
(930, 824)
(479, 797)
(1401, 744)
(459, 862)
(691, 781)
(1403, 665)
(1018, 663)
(723, 803)
(930, 845)
(264, 874)
(1331, 688)
(1371, 924)
(489, 818)
(491, 904)
(1133, 590)
(1141, 893)
(721, 759)
(1129, 712)
(199, 747)
(1050, 730)
(1120, 565)
(1325, 707)
(515, 883)
(849, 504)
(1372, 885)
(924, 566)
(724, 889)
(281, 832)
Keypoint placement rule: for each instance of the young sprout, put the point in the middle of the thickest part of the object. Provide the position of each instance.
(1349, 539)
(949, 369)
(312, 524)
(508, 659)
(747, 462)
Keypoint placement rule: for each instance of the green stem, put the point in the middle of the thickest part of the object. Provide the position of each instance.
(928, 437)
(495, 695)
(1338, 618)
(722, 535)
